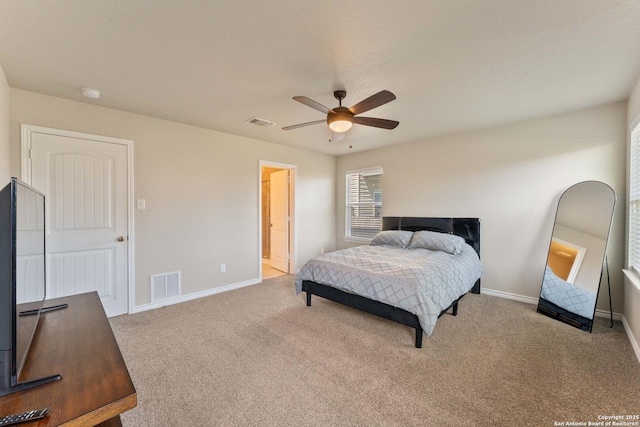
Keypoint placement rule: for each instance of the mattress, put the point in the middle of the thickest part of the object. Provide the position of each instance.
(421, 281)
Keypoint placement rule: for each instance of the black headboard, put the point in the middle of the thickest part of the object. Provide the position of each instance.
(468, 228)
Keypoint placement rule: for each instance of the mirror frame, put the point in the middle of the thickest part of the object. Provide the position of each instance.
(551, 310)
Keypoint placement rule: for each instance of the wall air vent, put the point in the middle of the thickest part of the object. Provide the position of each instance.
(165, 286)
(260, 122)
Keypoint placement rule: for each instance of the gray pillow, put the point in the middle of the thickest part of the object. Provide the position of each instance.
(396, 238)
(437, 242)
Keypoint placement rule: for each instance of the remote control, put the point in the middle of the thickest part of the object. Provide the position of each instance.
(36, 414)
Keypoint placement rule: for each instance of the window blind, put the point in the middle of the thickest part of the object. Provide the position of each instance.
(364, 204)
(634, 200)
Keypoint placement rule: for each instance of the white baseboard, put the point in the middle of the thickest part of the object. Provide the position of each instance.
(599, 313)
(490, 292)
(507, 295)
(195, 295)
(634, 343)
(607, 315)
(529, 300)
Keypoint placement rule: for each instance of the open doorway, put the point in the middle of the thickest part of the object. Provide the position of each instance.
(277, 207)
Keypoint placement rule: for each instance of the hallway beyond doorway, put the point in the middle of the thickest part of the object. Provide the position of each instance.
(269, 272)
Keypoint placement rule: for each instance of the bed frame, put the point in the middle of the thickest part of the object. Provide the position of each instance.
(468, 228)
(556, 312)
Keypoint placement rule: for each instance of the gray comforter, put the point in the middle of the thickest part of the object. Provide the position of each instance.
(567, 295)
(420, 281)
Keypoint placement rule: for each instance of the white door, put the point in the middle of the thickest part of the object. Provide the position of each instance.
(279, 200)
(86, 188)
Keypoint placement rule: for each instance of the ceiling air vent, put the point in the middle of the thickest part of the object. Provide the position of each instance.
(260, 122)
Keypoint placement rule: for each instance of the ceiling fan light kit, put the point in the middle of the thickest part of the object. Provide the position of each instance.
(341, 119)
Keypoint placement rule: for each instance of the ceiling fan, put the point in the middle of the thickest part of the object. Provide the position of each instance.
(340, 119)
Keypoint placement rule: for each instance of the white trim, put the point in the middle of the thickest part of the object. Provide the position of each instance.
(25, 144)
(489, 292)
(507, 295)
(627, 243)
(530, 300)
(25, 147)
(367, 169)
(577, 262)
(196, 295)
(634, 124)
(357, 239)
(131, 232)
(534, 301)
(347, 217)
(633, 277)
(605, 314)
(634, 343)
(25, 158)
(293, 232)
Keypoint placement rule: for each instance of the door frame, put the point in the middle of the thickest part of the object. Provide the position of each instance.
(292, 212)
(25, 161)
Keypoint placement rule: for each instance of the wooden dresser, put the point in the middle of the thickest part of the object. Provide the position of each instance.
(77, 343)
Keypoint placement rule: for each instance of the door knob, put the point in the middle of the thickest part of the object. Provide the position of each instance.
(120, 239)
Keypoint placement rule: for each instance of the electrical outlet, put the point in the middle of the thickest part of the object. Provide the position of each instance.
(223, 268)
(321, 251)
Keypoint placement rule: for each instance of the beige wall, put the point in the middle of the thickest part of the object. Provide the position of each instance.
(511, 177)
(631, 293)
(201, 189)
(5, 173)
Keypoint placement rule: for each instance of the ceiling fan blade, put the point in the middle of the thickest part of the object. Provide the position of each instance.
(301, 125)
(372, 102)
(378, 123)
(335, 136)
(313, 104)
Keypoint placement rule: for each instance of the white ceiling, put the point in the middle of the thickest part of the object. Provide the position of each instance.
(454, 65)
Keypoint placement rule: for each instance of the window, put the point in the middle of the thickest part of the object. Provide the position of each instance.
(363, 204)
(634, 200)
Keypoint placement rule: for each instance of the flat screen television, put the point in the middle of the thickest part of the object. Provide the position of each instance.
(22, 280)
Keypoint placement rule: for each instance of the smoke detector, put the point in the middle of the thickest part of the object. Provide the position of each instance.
(260, 122)
(90, 93)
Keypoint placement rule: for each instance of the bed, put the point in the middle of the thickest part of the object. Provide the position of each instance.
(409, 282)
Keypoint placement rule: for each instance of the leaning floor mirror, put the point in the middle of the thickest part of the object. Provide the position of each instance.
(577, 252)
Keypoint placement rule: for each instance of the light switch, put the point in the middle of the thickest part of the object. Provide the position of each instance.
(141, 204)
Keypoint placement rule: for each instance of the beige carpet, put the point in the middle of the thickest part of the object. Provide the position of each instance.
(258, 356)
